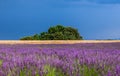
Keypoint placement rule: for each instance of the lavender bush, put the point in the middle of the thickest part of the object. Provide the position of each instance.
(90, 59)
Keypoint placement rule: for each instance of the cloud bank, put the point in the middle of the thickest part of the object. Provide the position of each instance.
(97, 1)
(77, 3)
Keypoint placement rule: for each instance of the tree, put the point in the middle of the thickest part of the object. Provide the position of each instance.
(58, 28)
(27, 38)
(72, 33)
(36, 37)
(58, 32)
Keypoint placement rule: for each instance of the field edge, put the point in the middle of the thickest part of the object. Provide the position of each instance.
(55, 41)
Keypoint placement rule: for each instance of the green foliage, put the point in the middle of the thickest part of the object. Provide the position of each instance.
(51, 71)
(27, 38)
(58, 32)
(1, 62)
(58, 28)
(36, 37)
(84, 70)
(22, 73)
(89, 71)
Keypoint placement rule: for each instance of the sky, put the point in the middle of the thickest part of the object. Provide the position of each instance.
(95, 19)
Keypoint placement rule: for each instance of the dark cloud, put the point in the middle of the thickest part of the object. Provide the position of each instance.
(98, 1)
(107, 1)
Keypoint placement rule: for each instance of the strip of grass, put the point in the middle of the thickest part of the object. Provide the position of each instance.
(52, 71)
(1, 62)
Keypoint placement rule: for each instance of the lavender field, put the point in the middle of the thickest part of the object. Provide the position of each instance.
(85, 59)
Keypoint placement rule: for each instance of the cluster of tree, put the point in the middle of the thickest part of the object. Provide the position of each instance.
(57, 32)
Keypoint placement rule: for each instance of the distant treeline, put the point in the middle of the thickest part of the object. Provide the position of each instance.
(58, 32)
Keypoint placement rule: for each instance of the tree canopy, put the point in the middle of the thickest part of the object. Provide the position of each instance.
(58, 32)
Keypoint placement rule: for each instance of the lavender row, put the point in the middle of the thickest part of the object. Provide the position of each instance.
(60, 60)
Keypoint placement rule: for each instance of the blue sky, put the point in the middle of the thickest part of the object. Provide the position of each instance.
(95, 19)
